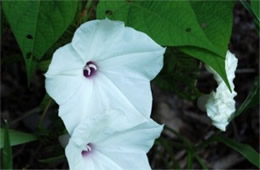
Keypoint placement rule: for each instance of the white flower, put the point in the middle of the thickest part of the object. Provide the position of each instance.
(230, 67)
(107, 65)
(110, 142)
(221, 104)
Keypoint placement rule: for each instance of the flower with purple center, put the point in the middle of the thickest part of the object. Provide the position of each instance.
(107, 65)
(110, 142)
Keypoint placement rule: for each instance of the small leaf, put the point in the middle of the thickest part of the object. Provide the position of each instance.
(16, 137)
(189, 159)
(46, 99)
(7, 157)
(201, 162)
(37, 25)
(247, 151)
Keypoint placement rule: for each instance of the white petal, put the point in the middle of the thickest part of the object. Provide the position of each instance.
(65, 61)
(113, 95)
(133, 54)
(136, 91)
(76, 160)
(103, 162)
(113, 136)
(221, 104)
(94, 37)
(130, 160)
(65, 74)
(220, 108)
(97, 98)
(138, 139)
(220, 125)
(115, 47)
(61, 88)
(230, 67)
(77, 107)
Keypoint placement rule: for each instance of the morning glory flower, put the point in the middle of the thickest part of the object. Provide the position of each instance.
(221, 104)
(110, 142)
(106, 65)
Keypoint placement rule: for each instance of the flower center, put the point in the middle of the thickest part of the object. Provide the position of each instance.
(87, 150)
(89, 69)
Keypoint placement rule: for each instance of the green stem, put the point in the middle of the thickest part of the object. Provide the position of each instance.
(45, 112)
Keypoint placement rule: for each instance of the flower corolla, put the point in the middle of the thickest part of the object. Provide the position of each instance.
(110, 142)
(107, 65)
(221, 104)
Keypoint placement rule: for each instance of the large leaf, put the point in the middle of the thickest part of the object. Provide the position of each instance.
(37, 25)
(210, 58)
(215, 18)
(7, 155)
(16, 137)
(201, 29)
(170, 23)
(247, 151)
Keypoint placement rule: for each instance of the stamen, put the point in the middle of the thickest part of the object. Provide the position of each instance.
(87, 150)
(89, 69)
(92, 66)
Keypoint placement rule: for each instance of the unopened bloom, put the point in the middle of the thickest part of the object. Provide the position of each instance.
(106, 65)
(110, 142)
(221, 104)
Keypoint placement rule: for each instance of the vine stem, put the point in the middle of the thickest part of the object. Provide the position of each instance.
(45, 112)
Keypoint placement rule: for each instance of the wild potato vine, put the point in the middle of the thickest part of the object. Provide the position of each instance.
(101, 80)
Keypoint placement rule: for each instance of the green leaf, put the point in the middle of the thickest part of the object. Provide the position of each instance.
(16, 137)
(179, 74)
(170, 23)
(212, 59)
(251, 100)
(190, 147)
(215, 18)
(7, 157)
(37, 25)
(46, 99)
(4, 23)
(255, 4)
(253, 9)
(44, 65)
(247, 151)
(200, 161)
(189, 159)
(168, 145)
(200, 26)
